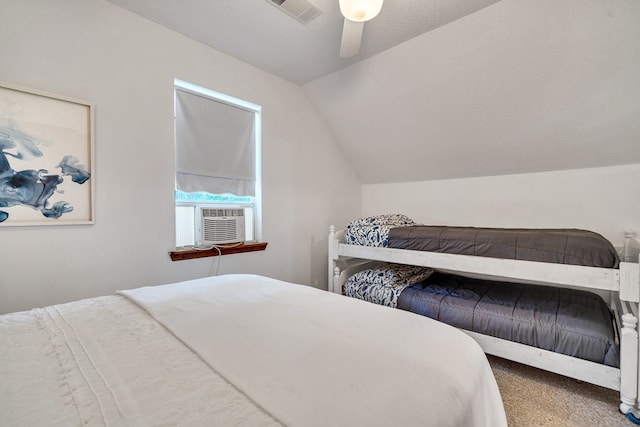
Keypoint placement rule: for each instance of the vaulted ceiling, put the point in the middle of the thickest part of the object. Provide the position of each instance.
(262, 34)
(448, 88)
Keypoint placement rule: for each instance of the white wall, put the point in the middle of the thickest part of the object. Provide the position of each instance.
(96, 51)
(604, 200)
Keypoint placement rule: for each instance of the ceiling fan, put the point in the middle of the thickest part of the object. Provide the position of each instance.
(356, 13)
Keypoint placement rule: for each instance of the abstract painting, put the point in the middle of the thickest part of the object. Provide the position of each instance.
(46, 158)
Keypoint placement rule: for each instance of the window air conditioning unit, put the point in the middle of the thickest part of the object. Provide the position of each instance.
(221, 225)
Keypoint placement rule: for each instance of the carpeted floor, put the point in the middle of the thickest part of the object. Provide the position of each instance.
(533, 397)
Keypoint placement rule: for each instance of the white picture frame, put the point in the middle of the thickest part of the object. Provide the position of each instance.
(46, 158)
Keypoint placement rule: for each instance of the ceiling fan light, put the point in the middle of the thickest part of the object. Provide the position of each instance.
(360, 10)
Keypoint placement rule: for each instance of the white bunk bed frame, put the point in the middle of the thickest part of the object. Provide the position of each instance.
(623, 284)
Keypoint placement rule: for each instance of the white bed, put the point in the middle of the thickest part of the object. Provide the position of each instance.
(622, 284)
(239, 350)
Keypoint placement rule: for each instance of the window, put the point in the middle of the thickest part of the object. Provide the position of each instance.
(217, 140)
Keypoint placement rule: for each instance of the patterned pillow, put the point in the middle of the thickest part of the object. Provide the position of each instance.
(374, 230)
(387, 219)
(384, 283)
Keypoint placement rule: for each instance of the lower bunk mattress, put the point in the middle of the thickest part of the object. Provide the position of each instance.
(568, 321)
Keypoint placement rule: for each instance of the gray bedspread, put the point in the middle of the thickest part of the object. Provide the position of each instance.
(561, 246)
(572, 322)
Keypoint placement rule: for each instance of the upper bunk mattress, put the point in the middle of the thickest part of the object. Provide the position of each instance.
(560, 246)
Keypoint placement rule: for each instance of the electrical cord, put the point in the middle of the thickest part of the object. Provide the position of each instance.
(219, 249)
(213, 261)
(208, 248)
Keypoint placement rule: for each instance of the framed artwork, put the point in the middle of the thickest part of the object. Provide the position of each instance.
(46, 158)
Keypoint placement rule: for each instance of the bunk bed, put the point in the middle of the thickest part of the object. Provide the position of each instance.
(367, 245)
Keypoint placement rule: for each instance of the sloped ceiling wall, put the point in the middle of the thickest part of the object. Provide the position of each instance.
(520, 86)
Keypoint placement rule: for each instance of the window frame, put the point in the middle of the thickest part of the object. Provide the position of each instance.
(255, 205)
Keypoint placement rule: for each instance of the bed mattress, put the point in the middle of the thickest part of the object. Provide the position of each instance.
(560, 246)
(567, 321)
(104, 361)
(239, 350)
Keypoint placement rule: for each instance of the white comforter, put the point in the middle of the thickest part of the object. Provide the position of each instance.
(265, 352)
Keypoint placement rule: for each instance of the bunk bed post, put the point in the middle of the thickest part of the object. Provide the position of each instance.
(337, 285)
(332, 257)
(628, 363)
(629, 343)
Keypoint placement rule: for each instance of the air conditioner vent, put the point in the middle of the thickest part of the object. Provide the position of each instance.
(301, 10)
(217, 212)
(221, 226)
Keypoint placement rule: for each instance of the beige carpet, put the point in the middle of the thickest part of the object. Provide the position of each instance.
(533, 397)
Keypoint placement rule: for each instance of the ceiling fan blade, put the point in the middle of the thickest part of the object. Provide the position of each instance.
(351, 37)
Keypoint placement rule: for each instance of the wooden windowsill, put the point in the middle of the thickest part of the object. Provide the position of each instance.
(224, 250)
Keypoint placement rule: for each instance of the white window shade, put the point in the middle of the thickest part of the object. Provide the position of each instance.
(215, 146)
